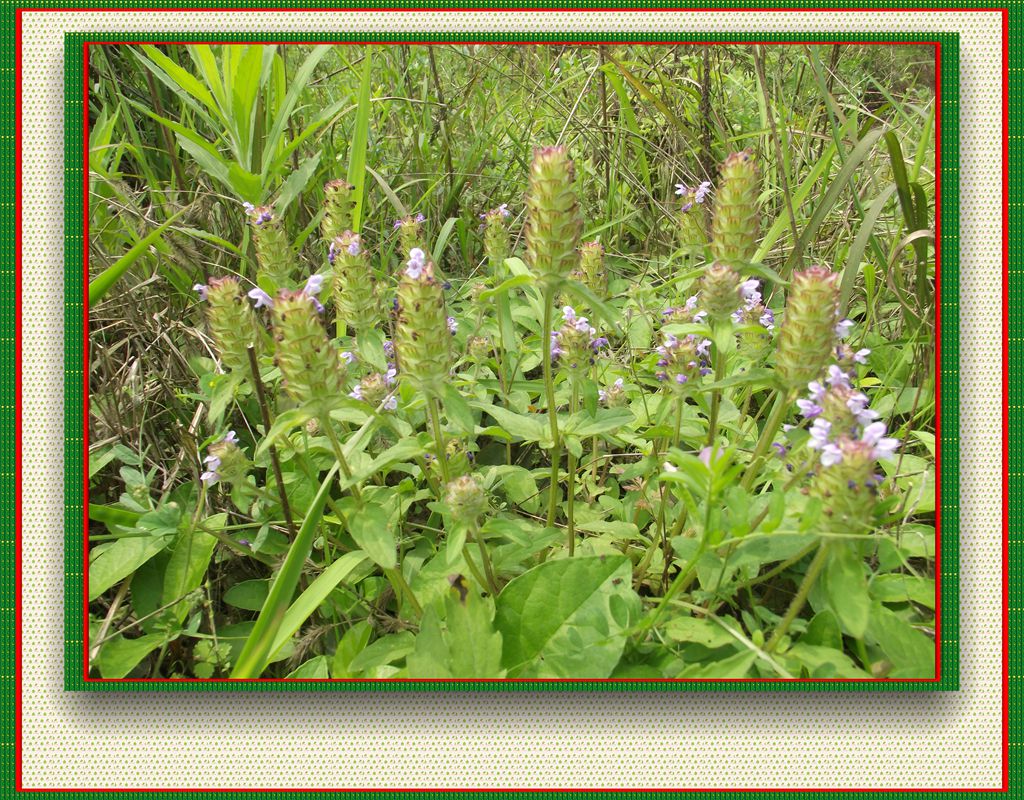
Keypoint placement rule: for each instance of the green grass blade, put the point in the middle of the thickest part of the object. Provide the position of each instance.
(360, 136)
(104, 282)
(253, 658)
(298, 85)
(856, 252)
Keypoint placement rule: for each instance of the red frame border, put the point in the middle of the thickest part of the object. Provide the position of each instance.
(18, 364)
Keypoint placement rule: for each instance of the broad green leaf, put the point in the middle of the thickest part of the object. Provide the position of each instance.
(124, 556)
(462, 645)
(457, 410)
(825, 662)
(296, 183)
(559, 618)
(702, 631)
(909, 650)
(119, 656)
(248, 595)
(847, 588)
(737, 666)
(352, 644)
(386, 650)
(904, 588)
(370, 526)
(189, 561)
(530, 427)
(607, 420)
(316, 667)
(314, 595)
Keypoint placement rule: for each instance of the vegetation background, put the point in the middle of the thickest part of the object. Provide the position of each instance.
(181, 136)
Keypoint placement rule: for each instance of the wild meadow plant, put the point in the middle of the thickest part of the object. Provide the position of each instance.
(534, 474)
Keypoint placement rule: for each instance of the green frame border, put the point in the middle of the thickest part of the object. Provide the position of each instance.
(74, 680)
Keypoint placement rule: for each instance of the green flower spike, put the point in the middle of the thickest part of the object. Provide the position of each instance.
(232, 322)
(226, 462)
(466, 499)
(274, 253)
(422, 333)
(355, 291)
(590, 271)
(496, 240)
(554, 221)
(410, 233)
(734, 223)
(806, 340)
(720, 291)
(339, 202)
(309, 363)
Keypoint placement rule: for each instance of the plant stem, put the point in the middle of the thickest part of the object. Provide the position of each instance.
(485, 557)
(571, 489)
(261, 396)
(771, 426)
(716, 395)
(339, 455)
(435, 423)
(796, 606)
(398, 580)
(549, 387)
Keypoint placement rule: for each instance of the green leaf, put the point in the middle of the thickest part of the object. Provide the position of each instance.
(119, 656)
(253, 658)
(846, 588)
(124, 556)
(104, 282)
(188, 563)
(360, 136)
(607, 420)
(825, 662)
(296, 183)
(248, 595)
(702, 631)
(285, 423)
(506, 286)
(316, 667)
(370, 526)
(299, 82)
(386, 650)
(463, 645)
(823, 631)
(530, 427)
(909, 650)
(736, 666)
(314, 595)
(457, 409)
(557, 618)
(904, 588)
(352, 644)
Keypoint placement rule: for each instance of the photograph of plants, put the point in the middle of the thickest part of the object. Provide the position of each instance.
(511, 361)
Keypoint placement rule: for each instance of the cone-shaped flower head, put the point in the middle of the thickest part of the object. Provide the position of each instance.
(590, 270)
(682, 361)
(575, 345)
(225, 462)
(422, 332)
(479, 347)
(339, 201)
(496, 240)
(554, 221)
(614, 396)
(690, 311)
(410, 232)
(806, 340)
(753, 314)
(735, 221)
(377, 388)
(692, 215)
(232, 322)
(466, 499)
(459, 459)
(309, 363)
(720, 290)
(355, 291)
(274, 253)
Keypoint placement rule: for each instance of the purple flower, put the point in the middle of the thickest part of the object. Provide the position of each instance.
(857, 403)
(768, 319)
(230, 436)
(874, 435)
(704, 347)
(664, 313)
(503, 210)
(391, 376)
(691, 303)
(836, 378)
(700, 316)
(569, 315)
(202, 288)
(702, 192)
(416, 264)
(266, 216)
(245, 542)
(819, 431)
(389, 349)
(391, 403)
(681, 189)
(331, 254)
(420, 218)
(780, 449)
(209, 477)
(249, 207)
(749, 291)
(861, 356)
(356, 393)
(598, 343)
(842, 329)
(453, 326)
(398, 224)
(831, 455)
(212, 463)
(313, 285)
(686, 207)
(681, 379)
(261, 297)
(348, 356)
(353, 245)
(817, 391)
(808, 408)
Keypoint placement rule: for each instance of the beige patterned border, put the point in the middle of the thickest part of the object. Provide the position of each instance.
(542, 740)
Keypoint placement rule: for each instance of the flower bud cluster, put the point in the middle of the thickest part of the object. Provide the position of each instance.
(339, 203)
(423, 329)
(682, 361)
(274, 253)
(410, 232)
(355, 291)
(496, 240)
(614, 396)
(225, 462)
(375, 389)
(575, 345)
(554, 221)
(232, 323)
(735, 219)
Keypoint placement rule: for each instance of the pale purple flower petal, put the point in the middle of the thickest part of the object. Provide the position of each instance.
(261, 297)
(231, 436)
(831, 455)
(843, 328)
(391, 403)
(808, 408)
(861, 356)
(209, 477)
(202, 288)
(702, 192)
(349, 356)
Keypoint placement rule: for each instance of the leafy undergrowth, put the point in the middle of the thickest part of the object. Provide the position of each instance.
(551, 455)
